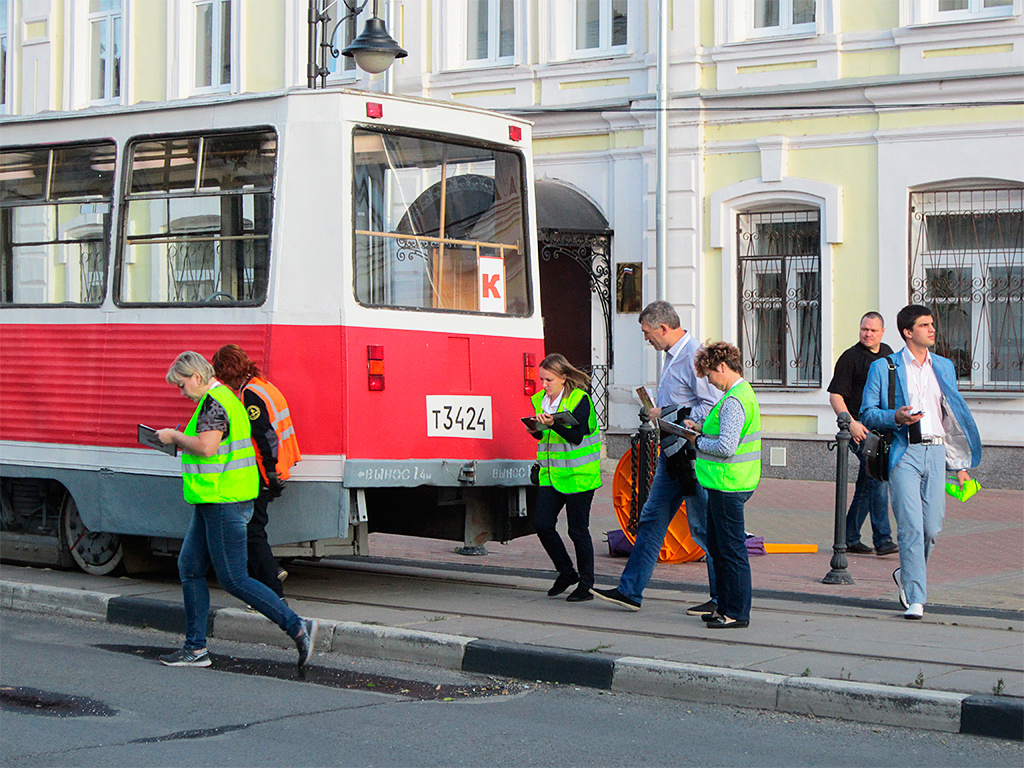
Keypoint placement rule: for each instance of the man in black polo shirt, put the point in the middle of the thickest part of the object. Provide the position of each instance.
(846, 389)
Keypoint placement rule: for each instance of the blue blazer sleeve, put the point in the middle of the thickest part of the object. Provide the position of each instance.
(875, 411)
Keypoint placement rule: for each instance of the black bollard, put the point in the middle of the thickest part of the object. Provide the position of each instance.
(839, 574)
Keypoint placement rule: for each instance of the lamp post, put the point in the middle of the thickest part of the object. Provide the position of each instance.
(839, 574)
(373, 50)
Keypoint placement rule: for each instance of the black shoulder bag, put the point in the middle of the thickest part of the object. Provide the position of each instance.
(875, 446)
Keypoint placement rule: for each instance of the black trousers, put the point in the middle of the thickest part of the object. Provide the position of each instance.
(577, 512)
(262, 565)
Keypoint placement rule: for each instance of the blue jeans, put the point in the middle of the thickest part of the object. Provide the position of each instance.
(663, 501)
(727, 541)
(217, 536)
(917, 485)
(870, 496)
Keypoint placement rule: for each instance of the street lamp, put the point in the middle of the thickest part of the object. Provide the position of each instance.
(374, 50)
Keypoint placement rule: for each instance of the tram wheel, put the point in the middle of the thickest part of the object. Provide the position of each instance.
(94, 552)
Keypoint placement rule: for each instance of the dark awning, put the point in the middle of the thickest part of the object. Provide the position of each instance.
(562, 207)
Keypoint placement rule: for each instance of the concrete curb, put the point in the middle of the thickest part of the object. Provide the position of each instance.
(995, 716)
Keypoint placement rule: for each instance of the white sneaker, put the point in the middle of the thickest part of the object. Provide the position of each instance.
(899, 583)
(915, 611)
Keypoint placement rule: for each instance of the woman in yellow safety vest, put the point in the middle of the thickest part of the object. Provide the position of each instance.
(221, 480)
(729, 466)
(569, 457)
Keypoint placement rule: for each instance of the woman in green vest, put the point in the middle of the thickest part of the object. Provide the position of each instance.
(569, 455)
(729, 466)
(221, 480)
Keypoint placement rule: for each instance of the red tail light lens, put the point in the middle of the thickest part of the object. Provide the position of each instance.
(374, 110)
(529, 373)
(515, 133)
(375, 367)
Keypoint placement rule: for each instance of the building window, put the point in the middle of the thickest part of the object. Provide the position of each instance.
(197, 221)
(212, 44)
(490, 30)
(967, 265)
(105, 26)
(55, 207)
(783, 16)
(352, 15)
(962, 10)
(4, 46)
(780, 297)
(601, 25)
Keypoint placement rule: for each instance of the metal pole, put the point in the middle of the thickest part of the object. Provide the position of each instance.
(839, 574)
(661, 204)
(313, 21)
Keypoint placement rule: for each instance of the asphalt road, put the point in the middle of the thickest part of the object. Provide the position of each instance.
(77, 693)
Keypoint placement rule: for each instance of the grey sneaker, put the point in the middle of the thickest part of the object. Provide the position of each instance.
(187, 658)
(305, 641)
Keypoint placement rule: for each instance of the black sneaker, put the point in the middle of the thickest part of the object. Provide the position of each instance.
(562, 583)
(614, 596)
(858, 548)
(187, 658)
(703, 609)
(888, 548)
(579, 595)
(305, 641)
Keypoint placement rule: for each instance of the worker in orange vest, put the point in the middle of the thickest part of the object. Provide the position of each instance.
(277, 448)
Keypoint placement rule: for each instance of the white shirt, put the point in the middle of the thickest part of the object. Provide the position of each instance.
(679, 384)
(924, 393)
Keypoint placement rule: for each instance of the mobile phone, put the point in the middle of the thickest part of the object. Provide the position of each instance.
(916, 413)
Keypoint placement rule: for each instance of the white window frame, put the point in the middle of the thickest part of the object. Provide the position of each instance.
(91, 19)
(343, 68)
(493, 33)
(604, 47)
(216, 54)
(914, 12)
(5, 62)
(734, 21)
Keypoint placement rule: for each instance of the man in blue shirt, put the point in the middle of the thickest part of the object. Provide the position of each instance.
(933, 431)
(678, 388)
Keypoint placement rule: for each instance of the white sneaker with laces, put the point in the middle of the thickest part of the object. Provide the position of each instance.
(915, 611)
(899, 583)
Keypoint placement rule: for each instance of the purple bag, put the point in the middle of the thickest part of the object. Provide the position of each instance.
(618, 544)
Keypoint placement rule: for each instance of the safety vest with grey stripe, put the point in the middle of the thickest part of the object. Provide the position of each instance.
(742, 470)
(570, 468)
(230, 475)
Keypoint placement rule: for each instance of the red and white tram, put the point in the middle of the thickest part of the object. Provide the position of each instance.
(374, 254)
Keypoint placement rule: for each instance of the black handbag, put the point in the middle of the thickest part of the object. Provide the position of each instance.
(535, 473)
(875, 446)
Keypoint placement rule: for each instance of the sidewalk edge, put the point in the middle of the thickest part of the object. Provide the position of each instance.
(994, 716)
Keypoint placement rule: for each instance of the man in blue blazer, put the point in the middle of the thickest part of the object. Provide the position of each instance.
(933, 432)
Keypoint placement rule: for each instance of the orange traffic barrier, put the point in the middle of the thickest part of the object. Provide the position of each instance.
(679, 547)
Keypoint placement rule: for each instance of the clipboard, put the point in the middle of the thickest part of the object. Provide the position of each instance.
(560, 417)
(148, 438)
(645, 398)
(675, 429)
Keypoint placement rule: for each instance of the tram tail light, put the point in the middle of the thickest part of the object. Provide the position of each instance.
(374, 109)
(515, 133)
(375, 367)
(529, 373)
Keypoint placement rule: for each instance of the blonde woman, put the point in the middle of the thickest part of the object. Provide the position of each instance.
(570, 472)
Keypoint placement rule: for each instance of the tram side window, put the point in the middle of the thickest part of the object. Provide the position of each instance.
(439, 226)
(55, 205)
(198, 219)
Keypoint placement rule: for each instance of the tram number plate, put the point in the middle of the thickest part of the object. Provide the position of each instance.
(459, 416)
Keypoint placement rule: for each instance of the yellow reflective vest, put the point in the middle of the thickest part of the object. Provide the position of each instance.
(569, 468)
(229, 475)
(742, 470)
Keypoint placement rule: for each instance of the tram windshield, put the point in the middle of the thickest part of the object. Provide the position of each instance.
(439, 226)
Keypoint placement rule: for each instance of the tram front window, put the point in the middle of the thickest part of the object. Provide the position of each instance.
(439, 226)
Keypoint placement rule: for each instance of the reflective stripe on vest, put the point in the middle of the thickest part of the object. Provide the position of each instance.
(229, 475)
(742, 470)
(288, 453)
(569, 468)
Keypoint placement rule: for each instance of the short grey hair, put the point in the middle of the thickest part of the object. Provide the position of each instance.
(186, 364)
(659, 313)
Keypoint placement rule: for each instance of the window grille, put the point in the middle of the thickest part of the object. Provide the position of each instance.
(967, 265)
(780, 298)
